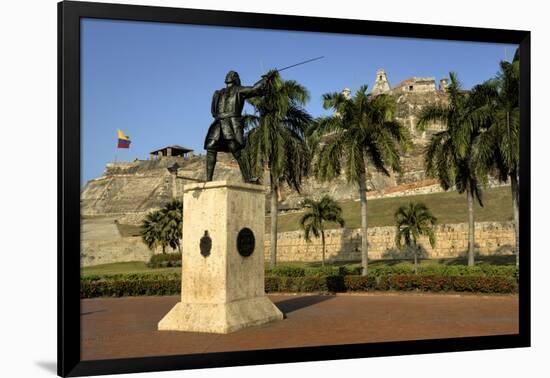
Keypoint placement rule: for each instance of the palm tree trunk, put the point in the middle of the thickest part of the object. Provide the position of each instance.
(471, 227)
(364, 224)
(274, 213)
(415, 250)
(515, 199)
(323, 241)
(515, 204)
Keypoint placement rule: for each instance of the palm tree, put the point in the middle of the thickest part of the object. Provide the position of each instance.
(151, 231)
(276, 141)
(320, 212)
(172, 216)
(412, 221)
(163, 227)
(362, 130)
(449, 155)
(498, 146)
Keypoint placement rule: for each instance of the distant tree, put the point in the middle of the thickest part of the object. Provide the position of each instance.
(163, 227)
(318, 214)
(412, 221)
(362, 130)
(449, 155)
(151, 231)
(498, 146)
(276, 140)
(172, 223)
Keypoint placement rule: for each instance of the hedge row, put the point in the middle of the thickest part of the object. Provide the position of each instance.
(475, 284)
(123, 288)
(165, 260)
(171, 286)
(401, 268)
(132, 277)
(174, 260)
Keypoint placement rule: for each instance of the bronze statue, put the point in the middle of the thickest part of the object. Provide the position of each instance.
(226, 133)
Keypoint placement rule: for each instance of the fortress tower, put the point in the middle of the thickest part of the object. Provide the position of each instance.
(381, 84)
(346, 92)
(443, 84)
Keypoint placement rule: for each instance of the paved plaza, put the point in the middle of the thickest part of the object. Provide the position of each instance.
(127, 327)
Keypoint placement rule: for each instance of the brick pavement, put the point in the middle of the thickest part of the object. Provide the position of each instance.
(126, 327)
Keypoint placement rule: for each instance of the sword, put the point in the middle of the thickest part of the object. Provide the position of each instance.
(298, 64)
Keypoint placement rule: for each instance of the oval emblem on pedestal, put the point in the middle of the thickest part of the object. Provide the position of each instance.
(246, 242)
(205, 244)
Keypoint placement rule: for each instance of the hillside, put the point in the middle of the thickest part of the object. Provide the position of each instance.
(448, 207)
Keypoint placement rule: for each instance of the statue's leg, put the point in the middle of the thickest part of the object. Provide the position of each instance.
(211, 156)
(235, 149)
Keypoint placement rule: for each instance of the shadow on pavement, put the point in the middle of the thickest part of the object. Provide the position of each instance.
(90, 312)
(293, 304)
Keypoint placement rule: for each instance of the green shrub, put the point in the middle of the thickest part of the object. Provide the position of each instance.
(306, 284)
(461, 270)
(400, 268)
(120, 288)
(326, 270)
(474, 284)
(385, 270)
(165, 260)
(360, 283)
(132, 277)
(350, 270)
(272, 284)
(286, 271)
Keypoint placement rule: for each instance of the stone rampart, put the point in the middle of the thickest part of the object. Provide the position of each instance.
(492, 238)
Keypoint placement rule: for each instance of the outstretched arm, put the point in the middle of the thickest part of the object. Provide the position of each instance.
(259, 87)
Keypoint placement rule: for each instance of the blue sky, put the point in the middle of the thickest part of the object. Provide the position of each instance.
(155, 81)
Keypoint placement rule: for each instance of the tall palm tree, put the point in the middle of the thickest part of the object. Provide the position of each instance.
(362, 130)
(320, 212)
(498, 146)
(276, 140)
(412, 221)
(449, 155)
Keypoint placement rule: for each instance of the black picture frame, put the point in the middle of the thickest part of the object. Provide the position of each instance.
(69, 15)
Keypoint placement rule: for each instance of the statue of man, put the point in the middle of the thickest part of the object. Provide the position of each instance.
(226, 133)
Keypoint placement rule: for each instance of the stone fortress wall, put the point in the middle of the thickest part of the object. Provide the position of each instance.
(492, 238)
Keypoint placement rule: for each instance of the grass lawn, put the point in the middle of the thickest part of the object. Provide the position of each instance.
(128, 230)
(448, 207)
(124, 268)
(140, 267)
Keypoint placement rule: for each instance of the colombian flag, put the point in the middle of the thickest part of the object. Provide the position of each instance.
(123, 139)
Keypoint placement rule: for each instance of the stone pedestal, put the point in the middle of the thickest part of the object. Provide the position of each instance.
(222, 289)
